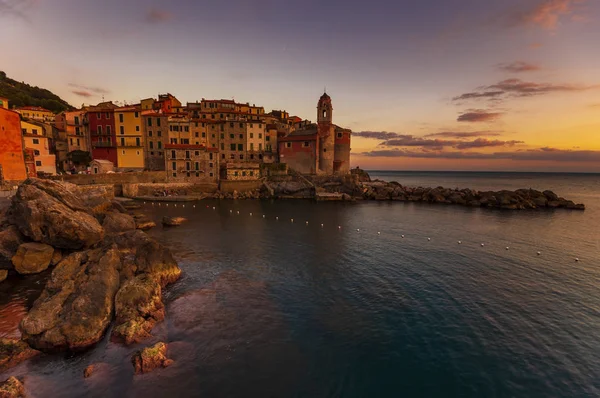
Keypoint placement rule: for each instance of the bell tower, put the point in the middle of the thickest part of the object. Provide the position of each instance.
(324, 109)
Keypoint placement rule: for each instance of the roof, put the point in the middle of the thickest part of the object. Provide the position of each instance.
(103, 161)
(32, 108)
(128, 108)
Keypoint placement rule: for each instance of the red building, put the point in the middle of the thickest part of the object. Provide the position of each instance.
(11, 147)
(101, 122)
(167, 103)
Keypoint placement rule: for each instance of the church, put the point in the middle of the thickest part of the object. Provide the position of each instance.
(322, 148)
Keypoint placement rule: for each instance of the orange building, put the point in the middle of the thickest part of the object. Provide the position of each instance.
(11, 147)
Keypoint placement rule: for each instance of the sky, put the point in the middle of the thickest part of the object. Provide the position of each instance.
(424, 85)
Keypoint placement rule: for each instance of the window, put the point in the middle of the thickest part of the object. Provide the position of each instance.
(107, 115)
(259, 146)
(197, 153)
(197, 166)
(268, 138)
(203, 135)
(305, 144)
(222, 156)
(210, 156)
(99, 128)
(174, 174)
(159, 133)
(241, 157)
(158, 122)
(173, 140)
(121, 129)
(76, 119)
(151, 153)
(210, 165)
(243, 174)
(159, 153)
(123, 144)
(137, 128)
(187, 128)
(340, 135)
(36, 152)
(251, 125)
(71, 139)
(108, 130)
(38, 163)
(151, 145)
(137, 153)
(240, 147)
(202, 124)
(230, 136)
(236, 173)
(196, 134)
(34, 131)
(222, 146)
(241, 136)
(221, 116)
(252, 157)
(232, 147)
(241, 125)
(149, 133)
(120, 118)
(251, 173)
(252, 146)
(251, 135)
(36, 141)
(98, 115)
(77, 141)
(211, 174)
(174, 166)
(212, 116)
(232, 156)
(185, 140)
(259, 135)
(173, 155)
(136, 114)
(187, 154)
(231, 124)
(159, 146)
(288, 144)
(123, 152)
(260, 125)
(24, 131)
(188, 167)
(138, 141)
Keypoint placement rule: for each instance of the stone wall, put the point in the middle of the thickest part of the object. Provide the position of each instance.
(173, 188)
(115, 178)
(228, 186)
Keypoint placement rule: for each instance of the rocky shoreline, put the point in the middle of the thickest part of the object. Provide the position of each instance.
(105, 270)
(358, 186)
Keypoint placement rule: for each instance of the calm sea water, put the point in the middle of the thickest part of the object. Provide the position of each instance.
(275, 308)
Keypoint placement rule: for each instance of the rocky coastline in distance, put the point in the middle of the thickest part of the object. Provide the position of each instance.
(359, 186)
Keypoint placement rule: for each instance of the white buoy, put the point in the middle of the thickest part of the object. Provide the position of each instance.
(321, 225)
(538, 253)
(482, 245)
(175, 204)
(263, 216)
(277, 218)
(507, 247)
(577, 259)
(159, 204)
(231, 211)
(339, 227)
(152, 203)
(194, 206)
(238, 212)
(182, 205)
(167, 205)
(144, 202)
(402, 236)
(292, 220)
(307, 223)
(378, 233)
(429, 239)
(459, 242)
(357, 230)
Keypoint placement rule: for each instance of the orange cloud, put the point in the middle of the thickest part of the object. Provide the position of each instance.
(547, 13)
(478, 115)
(519, 66)
(82, 93)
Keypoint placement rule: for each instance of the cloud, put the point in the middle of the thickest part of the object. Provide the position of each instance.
(380, 135)
(158, 16)
(464, 134)
(485, 143)
(82, 93)
(538, 154)
(96, 90)
(524, 88)
(478, 115)
(518, 67)
(16, 8)
(478, 95)
(412, 141)
(546, 14)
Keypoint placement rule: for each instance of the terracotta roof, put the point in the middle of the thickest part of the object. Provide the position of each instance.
(33, 108)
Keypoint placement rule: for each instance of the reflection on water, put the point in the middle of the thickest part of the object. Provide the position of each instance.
(272, 308)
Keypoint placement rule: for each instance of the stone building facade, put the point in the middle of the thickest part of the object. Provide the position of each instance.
(191, 163)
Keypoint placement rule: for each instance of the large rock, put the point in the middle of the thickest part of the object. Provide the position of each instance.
(76, 305)
(50, 212)
(32, 258)
(12, 388)
(117, 222)
(10, 239)
(3, 274)
(138, 307)
(13, 352)
(150, 358)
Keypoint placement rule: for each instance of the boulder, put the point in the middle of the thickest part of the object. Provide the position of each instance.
(10, 239)
(173, 221)
(13, 352)
(12, 388)
(32, 258)
(3, 274)
(138, 307)
(118, 206)
(540, 201)
(145, 224)
(76, 305)
(551, 196)
(56, 257)
(50, 212)
(150, 358)
(117, 222)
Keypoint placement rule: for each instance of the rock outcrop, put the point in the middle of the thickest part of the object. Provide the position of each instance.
(150, 358)
(3, 274)
(10, 239)
(13, 352)
(115, 222)
(51, 212)
(173, 221)
(12, 388)
(32, 258)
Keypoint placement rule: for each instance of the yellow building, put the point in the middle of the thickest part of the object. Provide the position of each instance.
(77, 139)
(36, 113)
(34, 138)
(130, 138)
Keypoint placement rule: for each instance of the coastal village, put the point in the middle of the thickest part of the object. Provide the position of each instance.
(200, 142)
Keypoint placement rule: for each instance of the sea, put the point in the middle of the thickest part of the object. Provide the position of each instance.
(293, 298)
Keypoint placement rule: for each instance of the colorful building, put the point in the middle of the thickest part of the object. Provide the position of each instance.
(12, 158)
(36, 113)
(101, 124)
(3, 102)
(155, 126)
(130, 138)
(167, 103)
(76, 131)
(191, 163)
(35, 138)
(321, 148)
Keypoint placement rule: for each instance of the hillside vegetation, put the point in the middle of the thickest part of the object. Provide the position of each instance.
(22, 94)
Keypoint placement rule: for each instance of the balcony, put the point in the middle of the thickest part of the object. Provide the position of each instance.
(101, 144)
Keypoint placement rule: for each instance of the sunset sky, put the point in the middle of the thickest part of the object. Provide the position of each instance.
(424, 85)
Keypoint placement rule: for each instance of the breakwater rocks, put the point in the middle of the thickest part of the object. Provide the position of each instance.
(104, 270)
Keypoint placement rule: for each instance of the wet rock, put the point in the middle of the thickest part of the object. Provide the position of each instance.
(50, 212)
(540, 201)
(76, 305)
(32, 258)
(173, 221)
(12, 388)
(118, 222)
(13, 352)
(150, 358)
(145, 224)
(138, 307)
(131, 205)
(118, 206)
(10, 239)
(3, 274)
(551, 196)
